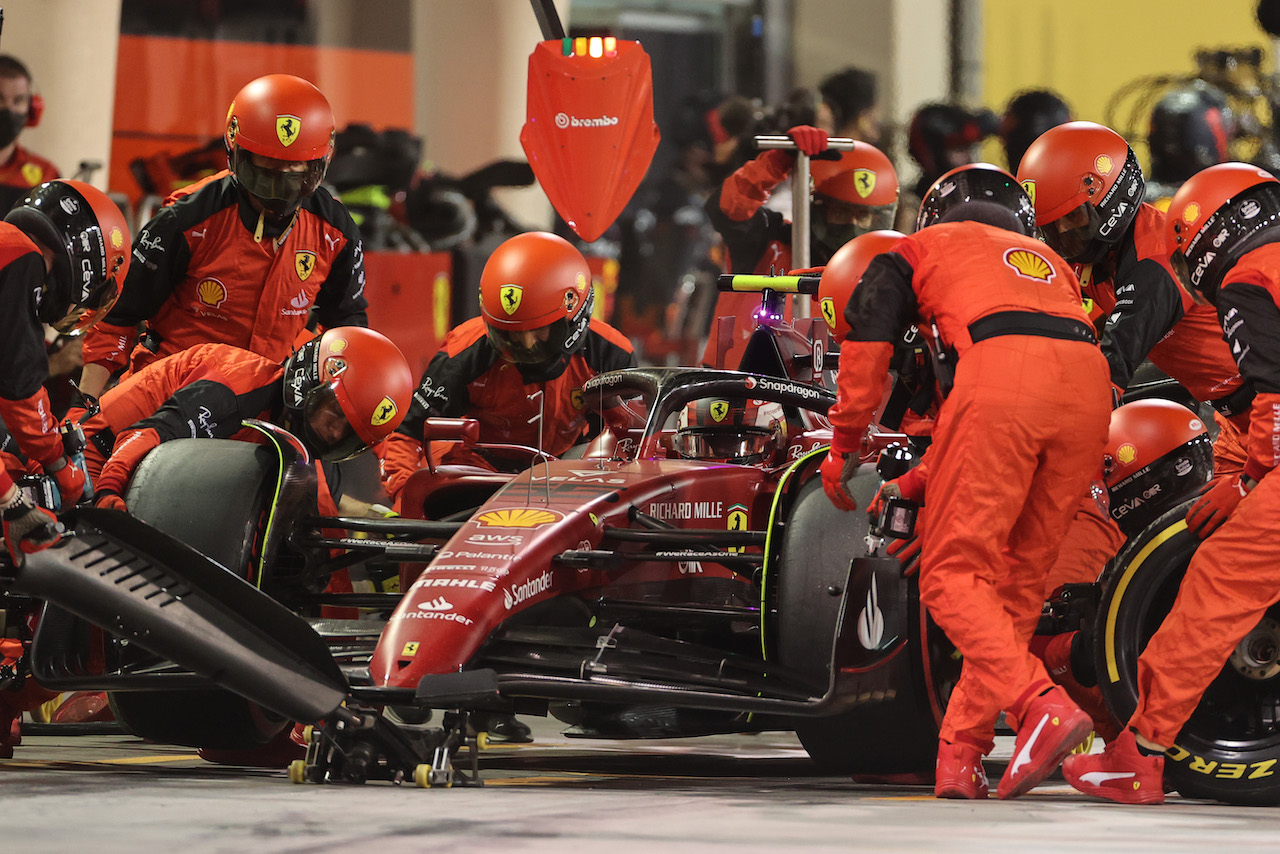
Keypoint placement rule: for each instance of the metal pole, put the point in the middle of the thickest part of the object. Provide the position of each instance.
(548, 19)
(800, 257)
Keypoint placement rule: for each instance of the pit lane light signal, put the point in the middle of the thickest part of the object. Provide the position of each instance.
(594, 47)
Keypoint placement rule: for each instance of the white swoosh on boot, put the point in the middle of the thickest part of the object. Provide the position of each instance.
(1097, 778)
(1024, 755)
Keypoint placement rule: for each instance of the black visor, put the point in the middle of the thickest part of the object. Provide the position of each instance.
(277, 190)
(326, 429)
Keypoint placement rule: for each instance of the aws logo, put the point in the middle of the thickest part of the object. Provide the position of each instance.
(211, 292)
(1030, 265)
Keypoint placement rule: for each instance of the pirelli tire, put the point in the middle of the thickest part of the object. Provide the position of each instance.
(212, 494)
(895, 729)
(1230, 748)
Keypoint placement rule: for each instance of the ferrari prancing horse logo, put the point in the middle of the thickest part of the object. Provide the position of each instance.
(719, 409)
(828, 306)
(304, 261)
(864, 181)
(510, 296)
(287, 128)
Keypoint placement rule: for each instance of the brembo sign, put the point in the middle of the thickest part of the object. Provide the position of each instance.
(564, 120)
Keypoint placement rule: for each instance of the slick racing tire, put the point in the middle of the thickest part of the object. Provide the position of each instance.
(212, 495)
(1230, 748)
(894, 730)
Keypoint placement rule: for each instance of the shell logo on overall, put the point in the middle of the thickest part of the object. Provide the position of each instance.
(1030, 265)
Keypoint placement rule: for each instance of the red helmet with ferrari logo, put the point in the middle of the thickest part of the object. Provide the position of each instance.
(853, 195)
(1217, 216)
(1158, 454)
(842, 273)
(1086, 185)
(279, 139)
(347, 389)
(536, 300)
(90, 242)
(743, 432)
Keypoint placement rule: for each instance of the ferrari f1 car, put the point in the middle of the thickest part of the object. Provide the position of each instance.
(685, 576)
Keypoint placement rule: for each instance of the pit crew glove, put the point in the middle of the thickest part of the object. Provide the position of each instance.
(909, 486)
(70, 480)
(837, 470)
(807, 271)
(809, 139)
(109, 499)
(1218, 499)
(28, 528)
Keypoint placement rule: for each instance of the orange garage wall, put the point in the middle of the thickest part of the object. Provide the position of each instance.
(172, 94)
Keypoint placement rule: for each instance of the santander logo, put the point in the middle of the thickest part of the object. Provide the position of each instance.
(514, 594)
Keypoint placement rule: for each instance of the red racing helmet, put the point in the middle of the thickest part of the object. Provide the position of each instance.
(977, 183)
(1217, 216)
(842, 273)
(349, 388)
(1158, 454)
(536, 300)
(742, 432)
(853, 195)
(91, 245)
(288, 124)
(1086, 185)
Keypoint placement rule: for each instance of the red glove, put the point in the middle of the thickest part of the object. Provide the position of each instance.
(1218, 499)
(28, 528)
(806, 271)
(837, 470)
(70, 480)
(809, 139)
(909, 486)
(109, 500)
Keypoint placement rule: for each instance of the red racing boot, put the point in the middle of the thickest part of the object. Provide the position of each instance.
(1121, 773)
(1048, 727)
(959, 772)
(1056, 655)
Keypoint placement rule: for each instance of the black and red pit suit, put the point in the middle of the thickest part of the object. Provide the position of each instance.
(200, 276)
(469, 378)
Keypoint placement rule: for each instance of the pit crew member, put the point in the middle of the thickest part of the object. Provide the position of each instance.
(1015, 445)
(515, 367)
(852, 195)
(341, 393)
(1226, 247)
(20, 108)
(244, 256)
(64, 249)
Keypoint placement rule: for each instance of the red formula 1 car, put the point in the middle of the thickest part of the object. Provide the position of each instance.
(686, 576)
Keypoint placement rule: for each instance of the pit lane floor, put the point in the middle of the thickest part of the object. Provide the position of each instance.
(112, 793)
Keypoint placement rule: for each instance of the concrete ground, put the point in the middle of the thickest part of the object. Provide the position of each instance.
(113, 793)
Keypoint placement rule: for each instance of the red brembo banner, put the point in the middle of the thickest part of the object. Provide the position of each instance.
(589, 133)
